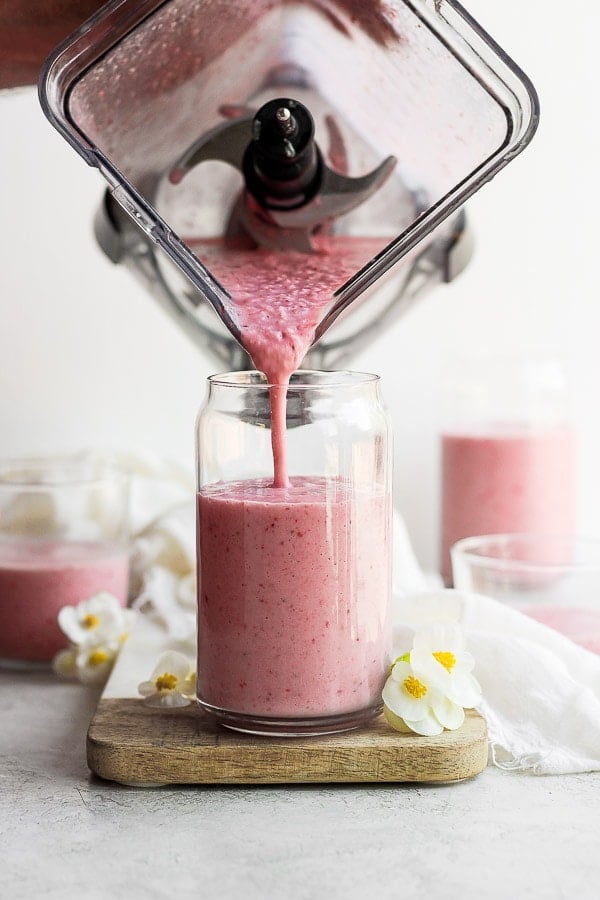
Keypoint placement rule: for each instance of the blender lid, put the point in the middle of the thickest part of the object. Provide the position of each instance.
(145, 83)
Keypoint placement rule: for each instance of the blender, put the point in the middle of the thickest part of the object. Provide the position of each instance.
(285, 127)
(287, 176)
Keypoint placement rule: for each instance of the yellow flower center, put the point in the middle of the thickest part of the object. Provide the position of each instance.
(97, 658)
(90, 621)
(415, 687)
(446, 659)
(166, 682)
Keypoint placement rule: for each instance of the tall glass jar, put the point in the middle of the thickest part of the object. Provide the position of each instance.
(294, 583)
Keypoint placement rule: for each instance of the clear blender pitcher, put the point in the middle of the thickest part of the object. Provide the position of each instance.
(284, 124)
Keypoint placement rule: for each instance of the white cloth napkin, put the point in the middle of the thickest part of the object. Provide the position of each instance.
(163, 558)
(541, 692)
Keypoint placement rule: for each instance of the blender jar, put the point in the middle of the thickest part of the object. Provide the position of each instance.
(294, 583)
(414, 108)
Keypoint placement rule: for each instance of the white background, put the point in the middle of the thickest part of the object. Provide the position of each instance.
(88, 360)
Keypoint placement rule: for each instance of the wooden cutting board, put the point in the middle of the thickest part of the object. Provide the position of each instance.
(137, 745)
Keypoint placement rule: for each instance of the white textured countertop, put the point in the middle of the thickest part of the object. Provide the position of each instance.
(67, 835)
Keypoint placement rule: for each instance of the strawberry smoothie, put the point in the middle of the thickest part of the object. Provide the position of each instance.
(507, 480)
(580, 625)
(293, 598)
(37, 578)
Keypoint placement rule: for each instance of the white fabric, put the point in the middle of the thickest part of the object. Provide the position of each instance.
(541, 692)
(163, 559)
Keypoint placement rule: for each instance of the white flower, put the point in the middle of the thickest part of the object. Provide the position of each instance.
(98, 620)
(439, 652)
(415, 698)
(97, 628)
(429, 688)
(90, 665)
(172, 682)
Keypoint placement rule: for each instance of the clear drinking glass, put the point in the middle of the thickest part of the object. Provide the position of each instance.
(508, 450)
(64, 536)
(294, 583)
(554, 579)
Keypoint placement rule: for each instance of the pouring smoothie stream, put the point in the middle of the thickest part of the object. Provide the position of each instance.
(279, 298)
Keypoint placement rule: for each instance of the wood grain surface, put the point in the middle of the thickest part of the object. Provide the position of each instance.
(134, 744)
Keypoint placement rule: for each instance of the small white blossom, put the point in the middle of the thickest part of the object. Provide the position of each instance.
(98, 620)
(414, 697)
(429, 688)
(90, 665)
(97, 628)
(439, 651)
(172, 682)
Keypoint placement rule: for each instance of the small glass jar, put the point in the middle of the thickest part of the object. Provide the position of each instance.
(294, 583)
(64, 536)
(508, 450)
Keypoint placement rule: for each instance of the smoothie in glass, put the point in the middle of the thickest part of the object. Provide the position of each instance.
(38, 578)
(293, 611)
(506, 480)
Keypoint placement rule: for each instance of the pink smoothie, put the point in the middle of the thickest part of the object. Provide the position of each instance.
(580, 625)
(506, 481)
(279, 299)
(37, 578)
(292, 598)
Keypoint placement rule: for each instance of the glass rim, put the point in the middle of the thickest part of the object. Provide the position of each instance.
(472, 550)
(69, 471)
(252, 378)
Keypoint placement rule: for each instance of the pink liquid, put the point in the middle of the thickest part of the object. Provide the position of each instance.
(279, 299)
(581, 625)
(292, 598)
(506, 481)
(38, 578)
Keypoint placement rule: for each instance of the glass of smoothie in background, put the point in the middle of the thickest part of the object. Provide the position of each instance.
(508, 451)
(554, 579)
(294, 581)
(64, 536)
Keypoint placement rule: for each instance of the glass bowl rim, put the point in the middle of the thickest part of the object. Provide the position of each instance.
(69, 471)
(467, 550)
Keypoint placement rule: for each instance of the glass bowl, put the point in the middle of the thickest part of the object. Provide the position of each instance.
(554, 579)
